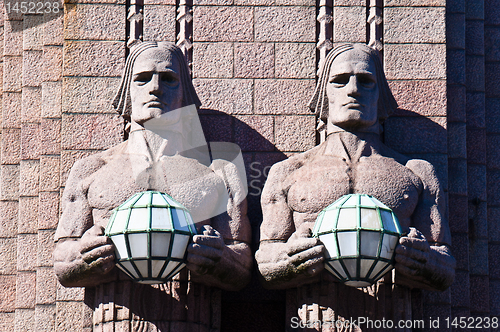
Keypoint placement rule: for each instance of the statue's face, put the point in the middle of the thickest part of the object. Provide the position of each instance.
(352, 91)
(156, 86)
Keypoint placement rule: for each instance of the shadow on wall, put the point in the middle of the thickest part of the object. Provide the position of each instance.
(32, 13)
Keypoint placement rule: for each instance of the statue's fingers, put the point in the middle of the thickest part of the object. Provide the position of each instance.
(312, 266)
(199, 264)
(96, 253)
(409, 262)
(213, 254)
(405, 270)
(89, 244)
(419, 244)
(309, 254)
(105, 264)
(210, 241)
(301, 244)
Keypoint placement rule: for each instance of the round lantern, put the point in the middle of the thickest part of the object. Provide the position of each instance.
(360, 234)
(151, 232)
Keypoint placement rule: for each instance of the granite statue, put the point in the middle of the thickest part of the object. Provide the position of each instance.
(165, 151)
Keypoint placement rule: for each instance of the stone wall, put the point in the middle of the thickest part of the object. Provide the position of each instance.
(254, 66)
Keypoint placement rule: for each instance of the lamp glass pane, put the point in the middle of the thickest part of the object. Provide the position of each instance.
(379, 267)
(328, 221)
(329, 268)
(369, 218)
(120, 246)
(387, 269)
(128, 203)
(142, 266)
(139, 219)
(330, 242)
(156, 266)
(388, 221)
(339, 268)
(348, 218)
(379, 203)
(388, 244)
(352, 201)
(369, 243)
(180, 244)
(129, 268)
(351, 265)
(158, 200)
(120, 221)
(178, 268)
(170, 267)
(179, 220)
(160, 243)
(160, 218)
(366, 264)
(348, 243)
(144, 200)
(171, 202)
(138, 245)
(367, 201)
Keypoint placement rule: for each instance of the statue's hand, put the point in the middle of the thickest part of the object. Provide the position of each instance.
(97, 251)
(205, 251)
(412, 253)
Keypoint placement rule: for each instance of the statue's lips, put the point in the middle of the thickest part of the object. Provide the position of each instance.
(153, 103)
(353, 105)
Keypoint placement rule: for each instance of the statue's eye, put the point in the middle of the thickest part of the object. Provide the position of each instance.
(366, 80)
(342, 79)
(143, 78)
(169, 78)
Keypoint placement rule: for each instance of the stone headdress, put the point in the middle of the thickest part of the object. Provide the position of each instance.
(319, 102)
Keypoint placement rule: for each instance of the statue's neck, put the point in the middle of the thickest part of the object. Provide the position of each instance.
(156, 145)
(351, 145)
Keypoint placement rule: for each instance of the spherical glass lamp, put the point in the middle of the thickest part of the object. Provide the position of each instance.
(360, 234)
(151, 232)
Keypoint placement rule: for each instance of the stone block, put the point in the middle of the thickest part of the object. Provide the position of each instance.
(159, 23)
(425, 136)
(118, 2)
(458, 219)
(283, 96)
(8, 219)
(30, 141)
(295, 133)
(93, 58)
(7, 295)
(460, 243)
(455, 30)
(456, 103)
(308, 3)
(68, 158)
(91, 131)
(31, 104)
(350, 24)
(455, 6)
(25, 290)
(12, 66)
(52, 63)
(347, 3)
(217, 127)
(491, 13)
(26, 249)
(494, 290)
(478, 253)
(9, 186)
(285, 24)
(479, 294)
(460, 290)
(415, 61)
(493, 229)
(213, 60)
(24, 320)
(48, 215)
(45, 318)
(414, 3)
(94, 22)
(475, 79)
(254, 132)
(45, 248)
(69, 316)
(13, 38)
(89, 94)
(53, 33)
(414, 25)
(11, 104)
(456, 66)
(476, 182)
(11, 146)
(492, 43)
(1, 35)
(50, 136)
(295, 60)
(491, 77)
(493, 183)
(222, 23)
(7, 321)
(476, 146)
(32, 32)
(8, 254)
(494, 260)
(33, 68)
(28, 215)
(29, 177)
(49, 173)
(69, 294)
(248, 2)
(253, 60)
(423, 97)
(435, 311)
(229, 96)
(492, 151)
(474, 37)
(475, 101)
(493, 115)
(159, 2)
(457, 144)
(474, 9)
(51, 95)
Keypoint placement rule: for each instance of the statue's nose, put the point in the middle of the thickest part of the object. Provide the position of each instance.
(352, 86)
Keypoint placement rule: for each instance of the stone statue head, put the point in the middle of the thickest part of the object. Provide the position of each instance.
(346, 56)
(153, 54)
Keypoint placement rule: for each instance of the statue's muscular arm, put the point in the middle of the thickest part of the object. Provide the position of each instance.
(423, 258)
(83, 256)
(287, 257)
(221, 255)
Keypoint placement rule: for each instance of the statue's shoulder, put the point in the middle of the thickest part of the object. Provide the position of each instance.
(285, 167)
